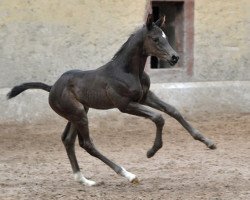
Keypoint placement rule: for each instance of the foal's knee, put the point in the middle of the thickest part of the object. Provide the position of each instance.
(159, 120)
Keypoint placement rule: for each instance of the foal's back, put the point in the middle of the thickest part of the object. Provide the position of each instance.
(86, 87)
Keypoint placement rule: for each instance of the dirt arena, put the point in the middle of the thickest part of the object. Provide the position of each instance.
(34, 165)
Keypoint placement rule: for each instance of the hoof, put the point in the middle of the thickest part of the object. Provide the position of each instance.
(135, 181)
(81, 179)
(212, 146)
(89, 183)
(150, 153)
(131, 177)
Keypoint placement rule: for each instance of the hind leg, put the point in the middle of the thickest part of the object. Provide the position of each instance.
(87, 144)
(68, 139)
(72, 110)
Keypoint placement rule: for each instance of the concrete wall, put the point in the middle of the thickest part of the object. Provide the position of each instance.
(192, 99)
(40, 39)
(222, 40)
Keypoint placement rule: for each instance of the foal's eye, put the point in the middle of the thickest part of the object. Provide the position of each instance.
(156, 40)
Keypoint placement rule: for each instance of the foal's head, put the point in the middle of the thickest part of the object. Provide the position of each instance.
(156, 42)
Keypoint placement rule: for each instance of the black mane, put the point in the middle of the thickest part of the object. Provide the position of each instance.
(124, 46)
(130, 41)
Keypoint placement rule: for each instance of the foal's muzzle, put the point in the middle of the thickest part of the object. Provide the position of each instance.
(174, 60)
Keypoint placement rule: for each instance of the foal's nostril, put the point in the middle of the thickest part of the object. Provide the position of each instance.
(175, 58)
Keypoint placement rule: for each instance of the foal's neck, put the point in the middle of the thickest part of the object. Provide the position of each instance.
(131, 58)
(136, 62)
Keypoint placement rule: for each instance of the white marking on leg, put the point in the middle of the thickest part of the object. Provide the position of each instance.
(131, 177)
(164, 35)
(81, 179)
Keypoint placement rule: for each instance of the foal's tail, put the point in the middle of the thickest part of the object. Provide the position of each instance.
(25, 86)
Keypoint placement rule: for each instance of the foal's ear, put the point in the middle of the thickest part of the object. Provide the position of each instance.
(149, 22)
(160, 22)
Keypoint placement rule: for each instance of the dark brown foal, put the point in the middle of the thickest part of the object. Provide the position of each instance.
(121, 83)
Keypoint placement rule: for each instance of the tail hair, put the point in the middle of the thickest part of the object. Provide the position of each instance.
(32, 85)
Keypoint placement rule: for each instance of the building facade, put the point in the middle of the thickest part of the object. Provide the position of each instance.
(39, 40)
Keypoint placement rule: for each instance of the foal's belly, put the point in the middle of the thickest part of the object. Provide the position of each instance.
(97, 99)
(89, 88)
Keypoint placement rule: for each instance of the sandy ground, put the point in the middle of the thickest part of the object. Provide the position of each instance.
(34, 165)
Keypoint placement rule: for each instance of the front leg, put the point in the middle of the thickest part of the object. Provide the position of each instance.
(137, 109)
(153, 101)
(125, 105)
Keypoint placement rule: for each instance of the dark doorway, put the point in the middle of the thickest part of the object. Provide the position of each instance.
(174, 29)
